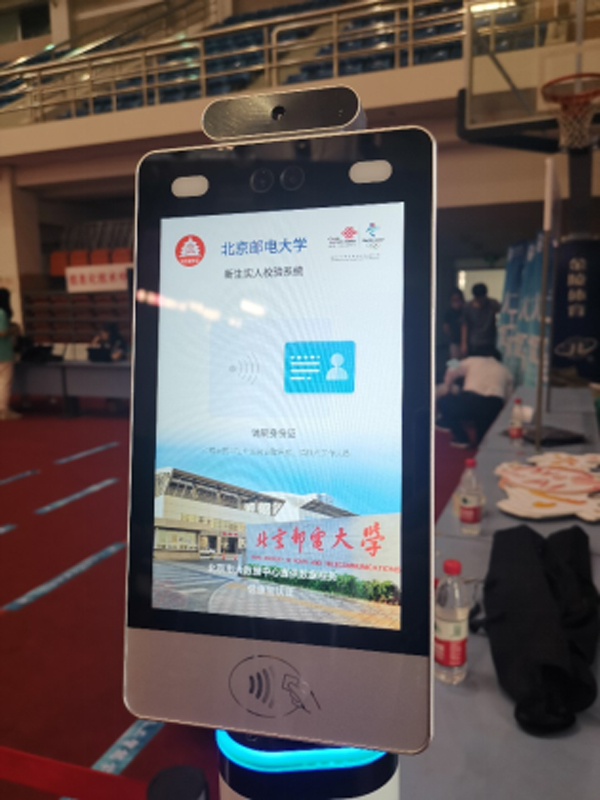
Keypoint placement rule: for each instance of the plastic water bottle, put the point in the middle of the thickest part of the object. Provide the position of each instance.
(451, 625)
(470, 500)
(515, 426)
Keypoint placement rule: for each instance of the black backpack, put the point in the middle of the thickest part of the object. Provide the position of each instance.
(541, 616)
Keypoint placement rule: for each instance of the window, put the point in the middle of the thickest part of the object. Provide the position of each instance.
(9, 27)
(35, 20)
(26, 22)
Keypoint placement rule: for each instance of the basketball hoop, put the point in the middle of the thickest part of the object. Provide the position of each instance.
(579, 98)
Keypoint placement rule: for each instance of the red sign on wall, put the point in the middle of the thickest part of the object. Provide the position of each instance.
(104, 278)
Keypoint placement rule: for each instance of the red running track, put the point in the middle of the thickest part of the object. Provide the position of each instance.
(61, 656)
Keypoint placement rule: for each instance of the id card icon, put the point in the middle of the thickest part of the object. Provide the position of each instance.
(319, 367)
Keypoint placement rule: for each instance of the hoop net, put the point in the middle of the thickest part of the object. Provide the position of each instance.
(578, 98)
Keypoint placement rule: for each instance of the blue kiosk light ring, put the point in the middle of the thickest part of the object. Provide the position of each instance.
(322, 758)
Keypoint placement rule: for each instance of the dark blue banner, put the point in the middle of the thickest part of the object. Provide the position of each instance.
(576, 334)
(507, 318)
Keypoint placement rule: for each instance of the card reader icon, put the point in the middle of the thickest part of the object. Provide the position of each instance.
(267, 686)
(319, 367)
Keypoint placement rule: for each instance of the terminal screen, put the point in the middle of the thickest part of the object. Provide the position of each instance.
(278, 471)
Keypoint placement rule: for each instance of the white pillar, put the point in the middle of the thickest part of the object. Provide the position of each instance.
(19, 237)
(60, 20)
(220, 9)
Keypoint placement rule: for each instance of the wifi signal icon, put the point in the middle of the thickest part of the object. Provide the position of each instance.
(247, 369)
(260, 686)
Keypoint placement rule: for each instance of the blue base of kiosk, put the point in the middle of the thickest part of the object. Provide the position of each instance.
(261, 768)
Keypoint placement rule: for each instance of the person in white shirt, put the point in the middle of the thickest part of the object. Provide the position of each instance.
(487, 386)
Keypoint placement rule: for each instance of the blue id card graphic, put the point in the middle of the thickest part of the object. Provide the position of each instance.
(319, 367)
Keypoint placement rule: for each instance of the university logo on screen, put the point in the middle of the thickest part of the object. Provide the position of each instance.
(190, 251)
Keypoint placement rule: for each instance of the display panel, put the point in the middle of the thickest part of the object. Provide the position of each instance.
(244, 292)
(278, 479)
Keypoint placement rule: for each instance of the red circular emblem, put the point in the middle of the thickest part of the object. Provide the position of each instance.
(190, 250)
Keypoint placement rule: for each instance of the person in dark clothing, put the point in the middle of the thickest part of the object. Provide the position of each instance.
(111, 342)
(478, 335)
(487, 386)
(8, 330)
(452, 325)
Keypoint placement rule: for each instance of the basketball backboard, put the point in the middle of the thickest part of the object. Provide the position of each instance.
(511, 51)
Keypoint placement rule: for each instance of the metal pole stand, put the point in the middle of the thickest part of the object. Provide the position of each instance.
(178, 783)
(261, 768)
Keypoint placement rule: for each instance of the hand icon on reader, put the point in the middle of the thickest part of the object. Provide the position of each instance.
(267, 686)
(300, 693)
(319, 367)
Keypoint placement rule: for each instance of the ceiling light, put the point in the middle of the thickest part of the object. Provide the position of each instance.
(494, 5)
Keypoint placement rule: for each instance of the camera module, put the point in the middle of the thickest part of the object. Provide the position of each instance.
(292, 178)
(261, 180)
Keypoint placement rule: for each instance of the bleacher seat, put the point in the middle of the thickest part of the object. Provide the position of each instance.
(296, 77)
(450, 27)
(378, 40)
(319, 71)
(182, 54)
(59, 260)
(191, 92)
(11, 83)
(40, 58)
(434, 53)
(131, 100)
(128, 83)
(288, 36)
(100, 255)
(525, 39)
(425, 33)
(515, 40)
(79, 258)
(122, 255)
(174, 75)
(373, 21)
(215, 65)
(217, 46)
(102, 105)
(6, 101)
(379, 63)
(170, 94)
(249, 39)
(507, 17)
(351, 66)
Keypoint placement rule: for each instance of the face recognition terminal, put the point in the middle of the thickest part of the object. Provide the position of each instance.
(280, 538)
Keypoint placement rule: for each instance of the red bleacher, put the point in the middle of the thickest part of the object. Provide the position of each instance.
(60, 259)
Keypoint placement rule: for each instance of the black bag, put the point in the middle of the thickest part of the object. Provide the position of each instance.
(542, 620)
(35, 353)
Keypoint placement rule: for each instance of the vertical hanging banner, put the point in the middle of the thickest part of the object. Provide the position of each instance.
(576, 333)
(520, 320)
(529, 314)
(507, 319)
